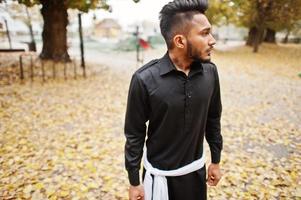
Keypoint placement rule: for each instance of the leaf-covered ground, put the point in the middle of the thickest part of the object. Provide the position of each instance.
(64, 139)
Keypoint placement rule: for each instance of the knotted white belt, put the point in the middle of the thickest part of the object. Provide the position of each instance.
(160, 190)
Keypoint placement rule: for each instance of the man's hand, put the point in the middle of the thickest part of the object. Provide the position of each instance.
(214, 174)
(136, 192)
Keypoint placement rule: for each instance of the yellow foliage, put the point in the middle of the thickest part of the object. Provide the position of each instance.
(64, 140)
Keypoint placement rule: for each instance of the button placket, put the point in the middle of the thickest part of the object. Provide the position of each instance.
(188, 95)
(185, 102)
(188, 89)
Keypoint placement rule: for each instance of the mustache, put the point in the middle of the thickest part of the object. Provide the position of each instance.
(210, 49)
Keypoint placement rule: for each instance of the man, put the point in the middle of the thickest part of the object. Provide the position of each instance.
(179, 96)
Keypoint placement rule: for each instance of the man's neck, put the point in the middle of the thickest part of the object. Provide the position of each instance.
(180, 62)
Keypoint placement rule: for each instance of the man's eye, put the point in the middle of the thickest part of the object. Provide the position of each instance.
(206, 33)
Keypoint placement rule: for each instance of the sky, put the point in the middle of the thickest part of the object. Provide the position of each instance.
(127, 12)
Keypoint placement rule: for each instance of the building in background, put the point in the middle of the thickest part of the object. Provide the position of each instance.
(107, 28)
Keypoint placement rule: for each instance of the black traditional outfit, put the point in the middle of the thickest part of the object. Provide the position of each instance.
(180, 111)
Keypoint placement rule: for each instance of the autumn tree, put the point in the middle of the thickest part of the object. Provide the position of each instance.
(286, 17)
(265, 17)
(221, 12)
(253, 14)
(55, 17)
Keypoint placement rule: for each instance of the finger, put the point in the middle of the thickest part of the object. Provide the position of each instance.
(210, 183)
(209, 173)
(209, 178)
(215, 181)
(135, 197)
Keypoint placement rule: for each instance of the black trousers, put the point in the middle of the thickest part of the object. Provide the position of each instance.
(187, 187)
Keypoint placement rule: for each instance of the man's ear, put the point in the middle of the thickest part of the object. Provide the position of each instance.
(179, 41)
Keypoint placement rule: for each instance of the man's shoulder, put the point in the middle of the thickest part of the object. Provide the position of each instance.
(147, 69)
(210, 69)
(209, 66)
(148, 66)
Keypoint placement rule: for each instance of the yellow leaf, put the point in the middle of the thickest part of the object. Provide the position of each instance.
(39, 186)
(92, 185)
(50, 190)
(53, 197)
(28, 189)
(63, 193)
(83, 188)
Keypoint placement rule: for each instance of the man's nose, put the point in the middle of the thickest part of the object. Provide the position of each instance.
(212, 41)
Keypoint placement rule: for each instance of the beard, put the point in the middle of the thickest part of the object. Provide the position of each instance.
(194, 54)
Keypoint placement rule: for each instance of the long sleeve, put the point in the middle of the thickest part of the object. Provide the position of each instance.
(213, 125)
(135, 128)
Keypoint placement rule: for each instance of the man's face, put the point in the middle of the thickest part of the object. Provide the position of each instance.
(199, 39)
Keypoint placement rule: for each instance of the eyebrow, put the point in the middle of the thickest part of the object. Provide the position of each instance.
(206, 29)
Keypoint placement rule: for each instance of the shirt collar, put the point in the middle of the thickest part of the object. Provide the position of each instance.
(196, 67)
(166, 66)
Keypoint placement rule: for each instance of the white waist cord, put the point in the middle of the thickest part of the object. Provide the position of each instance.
(160, 191)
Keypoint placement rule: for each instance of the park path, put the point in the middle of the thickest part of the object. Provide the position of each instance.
(64, 139)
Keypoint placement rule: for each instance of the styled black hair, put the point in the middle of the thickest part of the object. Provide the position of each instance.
(175, 14)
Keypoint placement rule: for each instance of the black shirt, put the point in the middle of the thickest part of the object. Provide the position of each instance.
(180, 110)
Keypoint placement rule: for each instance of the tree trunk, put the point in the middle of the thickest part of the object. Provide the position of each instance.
(253, 33)
(54, 34)
(285, 40)
(32, 44)
(270, 36)
(251, 36)
(263, 9)
(258, 39)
